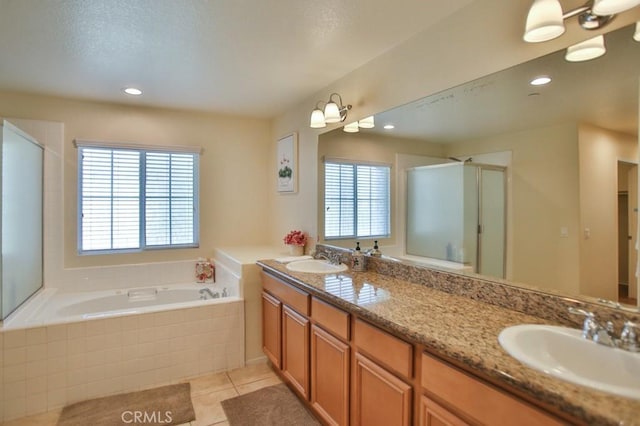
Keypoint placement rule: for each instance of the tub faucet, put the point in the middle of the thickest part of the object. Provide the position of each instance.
(205, 291)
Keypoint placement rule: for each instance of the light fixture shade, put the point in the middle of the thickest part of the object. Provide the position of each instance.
(367, 123)
(611, 7)
(332, 113)
(351, 127)
(636, 35)
(317, 119)
(586, 50)
(544, 21)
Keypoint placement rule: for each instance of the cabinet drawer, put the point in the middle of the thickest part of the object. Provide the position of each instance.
(473, 398)
(333, 319)
(289, 295)
(395, 353)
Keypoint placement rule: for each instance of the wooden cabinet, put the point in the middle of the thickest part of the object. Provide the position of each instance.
(295, 350)
(271, 328)
(380, 398)
(433, 414)
(330, 360)
(471, 398)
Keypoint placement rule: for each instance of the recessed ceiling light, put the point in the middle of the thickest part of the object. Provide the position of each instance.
(540, 81)
(132, 91)
(389, 126)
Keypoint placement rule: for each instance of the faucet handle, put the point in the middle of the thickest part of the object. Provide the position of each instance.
(589, 327)
(628, 336)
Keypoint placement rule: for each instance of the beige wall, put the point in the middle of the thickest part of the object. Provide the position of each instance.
(233, 166)
(544, 199)
(482, 38)
(600, 151)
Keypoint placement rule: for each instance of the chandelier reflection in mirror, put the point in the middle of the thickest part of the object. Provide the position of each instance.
(545, 21)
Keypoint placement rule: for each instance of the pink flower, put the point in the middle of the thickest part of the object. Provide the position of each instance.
(296, 238)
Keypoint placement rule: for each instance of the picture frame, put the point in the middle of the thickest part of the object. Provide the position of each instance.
(287, 164)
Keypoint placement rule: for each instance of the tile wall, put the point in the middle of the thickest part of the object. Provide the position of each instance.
(45, 368)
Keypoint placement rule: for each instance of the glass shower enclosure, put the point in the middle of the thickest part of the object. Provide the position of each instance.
(22, 217)
(457, 212)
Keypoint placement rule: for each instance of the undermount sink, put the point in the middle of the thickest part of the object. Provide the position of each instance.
(563, 353)
(316, 266)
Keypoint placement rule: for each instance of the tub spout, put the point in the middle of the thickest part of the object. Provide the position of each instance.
(205, 291)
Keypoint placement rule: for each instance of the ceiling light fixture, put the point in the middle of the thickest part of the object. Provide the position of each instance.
(545, 21)
(132, 91)
(540, 81)
(636, 35)
(389, 127)
(334, 112)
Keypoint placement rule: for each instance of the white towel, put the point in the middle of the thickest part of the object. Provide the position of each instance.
(292, 258)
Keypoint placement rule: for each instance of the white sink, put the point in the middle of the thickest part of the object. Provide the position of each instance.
(563, 353)
(316, 266)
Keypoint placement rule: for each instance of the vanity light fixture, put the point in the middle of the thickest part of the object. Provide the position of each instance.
(351, 127)
(545, 21)
(365, 123)
(586, 50)
(133, 91)
(334, 112)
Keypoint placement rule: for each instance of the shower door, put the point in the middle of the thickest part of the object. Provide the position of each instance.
(492, 220)
(22, 196)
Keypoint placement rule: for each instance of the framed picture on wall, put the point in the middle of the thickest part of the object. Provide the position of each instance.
(288, 164)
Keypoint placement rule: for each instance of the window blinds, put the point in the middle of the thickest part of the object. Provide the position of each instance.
(357, 200)
(132, 199)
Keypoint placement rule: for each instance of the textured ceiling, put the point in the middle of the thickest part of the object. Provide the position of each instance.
(249, 57)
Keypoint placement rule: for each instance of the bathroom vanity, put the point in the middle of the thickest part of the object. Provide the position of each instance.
(393, 348)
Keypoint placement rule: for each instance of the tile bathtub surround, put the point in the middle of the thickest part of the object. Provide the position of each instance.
(541, 304)
(45, 368)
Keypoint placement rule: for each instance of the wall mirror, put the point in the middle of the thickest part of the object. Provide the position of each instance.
(570, 154)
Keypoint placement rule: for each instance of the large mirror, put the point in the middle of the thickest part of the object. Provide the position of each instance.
(570, 154)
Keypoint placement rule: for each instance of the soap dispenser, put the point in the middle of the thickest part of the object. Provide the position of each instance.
(376, 250)
(358, 259)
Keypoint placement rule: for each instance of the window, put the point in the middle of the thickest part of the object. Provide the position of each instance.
(356, 200)
(136, 199)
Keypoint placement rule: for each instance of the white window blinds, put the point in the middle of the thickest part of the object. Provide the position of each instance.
(357, 200)
(133, 199)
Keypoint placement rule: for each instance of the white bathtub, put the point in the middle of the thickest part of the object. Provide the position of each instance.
(51, 306)
(63, 347)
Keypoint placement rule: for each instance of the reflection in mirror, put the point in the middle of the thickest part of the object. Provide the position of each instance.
(569, 150)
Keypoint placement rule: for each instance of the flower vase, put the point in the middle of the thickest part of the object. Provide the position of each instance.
(295, 250)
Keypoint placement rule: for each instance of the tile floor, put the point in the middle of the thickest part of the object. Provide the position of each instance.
(206, 394)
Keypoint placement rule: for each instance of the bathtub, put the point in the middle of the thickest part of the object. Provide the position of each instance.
(51, 306)
(62, 347)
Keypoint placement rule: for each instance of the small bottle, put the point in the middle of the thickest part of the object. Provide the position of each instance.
(357, 259)
(376, 251)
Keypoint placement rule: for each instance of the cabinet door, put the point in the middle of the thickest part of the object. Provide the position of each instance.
(271, 326)
(433, 414)
(295, 350)
(329, 377)
(380, 398)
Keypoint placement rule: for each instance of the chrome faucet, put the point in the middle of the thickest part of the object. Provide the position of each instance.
(205, 291)
(605, 335)
(333, 258)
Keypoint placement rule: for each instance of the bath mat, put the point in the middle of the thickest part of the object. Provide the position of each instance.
(166, 405)
(272, 406)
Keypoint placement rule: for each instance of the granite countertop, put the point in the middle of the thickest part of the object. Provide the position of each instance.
(463, 330)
